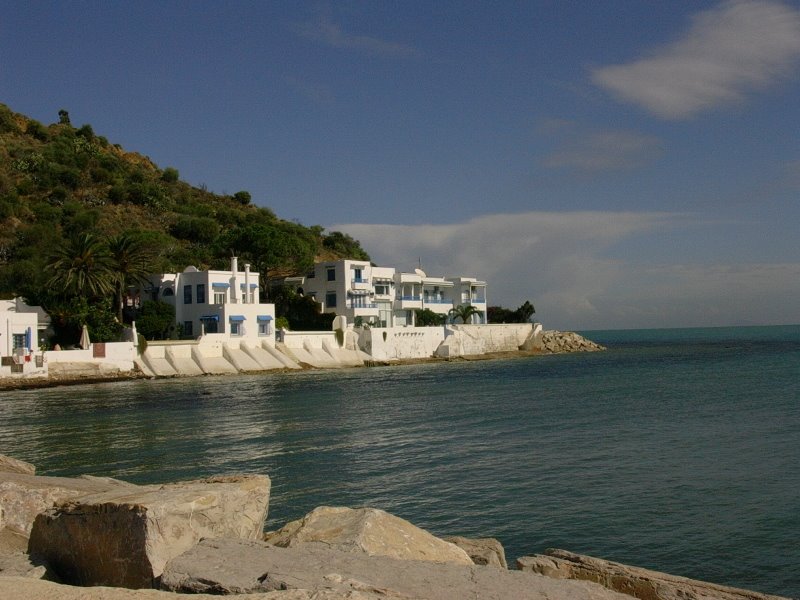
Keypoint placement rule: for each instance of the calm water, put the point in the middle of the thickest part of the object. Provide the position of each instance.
(677, 450)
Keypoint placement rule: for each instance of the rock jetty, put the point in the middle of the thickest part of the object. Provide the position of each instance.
(557, 342)
(204, 538)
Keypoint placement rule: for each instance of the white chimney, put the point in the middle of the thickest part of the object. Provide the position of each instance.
(234, 280)
(247, 283)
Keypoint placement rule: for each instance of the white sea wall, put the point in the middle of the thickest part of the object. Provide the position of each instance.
(119, 356)
(470, 340)
(400, 343)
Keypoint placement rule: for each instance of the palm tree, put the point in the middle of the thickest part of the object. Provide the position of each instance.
(132, 261)
(463, 312)
(81, 266)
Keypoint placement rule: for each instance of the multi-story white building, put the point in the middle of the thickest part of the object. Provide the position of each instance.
(215, 302)
(384, 297)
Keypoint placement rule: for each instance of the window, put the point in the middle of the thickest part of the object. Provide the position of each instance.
(17, 340)
(219, 296)
(331, 274)
(357, 275)
(201, 293)
(381, 290)
(168, 293)
(187, 328)
(330, 300)
(209, 324)
(236, 328)
(187, 294)
(264, 328)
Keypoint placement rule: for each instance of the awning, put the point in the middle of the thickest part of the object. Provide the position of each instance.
(236, 318)
(209, 318)
(263, 318)
(220, 285)
(357, 292)
(252, 286)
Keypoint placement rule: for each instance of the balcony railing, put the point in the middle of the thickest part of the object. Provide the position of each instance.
(437, 301)
(410, 298)
(365, 305)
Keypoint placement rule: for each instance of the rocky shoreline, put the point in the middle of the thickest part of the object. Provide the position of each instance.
(90, 538)
(552, 342)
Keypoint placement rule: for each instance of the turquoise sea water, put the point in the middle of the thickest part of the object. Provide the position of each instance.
(677, 450)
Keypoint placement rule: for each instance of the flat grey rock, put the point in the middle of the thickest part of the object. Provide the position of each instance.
(634, 581)
(226, 566)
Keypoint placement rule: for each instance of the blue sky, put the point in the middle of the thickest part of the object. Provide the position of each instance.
(620, 164)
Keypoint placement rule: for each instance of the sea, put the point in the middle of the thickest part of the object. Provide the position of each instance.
(676, 449)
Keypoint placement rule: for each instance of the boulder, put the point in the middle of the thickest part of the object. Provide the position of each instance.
(12, 465)
(368, 530)
(227, 566)
(125, 536)
(482, 551)
(23, 496)
(634, 581)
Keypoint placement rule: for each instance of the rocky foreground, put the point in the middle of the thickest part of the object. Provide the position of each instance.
(90, 538)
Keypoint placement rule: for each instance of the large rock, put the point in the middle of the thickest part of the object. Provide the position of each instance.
(13, 465)
(634, 581)
(482, 551)
(23, 496)
(124, 537)
(235, 566)
(367, 530)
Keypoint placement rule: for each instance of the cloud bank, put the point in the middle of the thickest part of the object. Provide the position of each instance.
(562, 263)
(608, 150)
(326, 32)
(737, 47)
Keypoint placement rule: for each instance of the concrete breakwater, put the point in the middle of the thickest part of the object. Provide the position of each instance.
(215, 354)
(205, 537)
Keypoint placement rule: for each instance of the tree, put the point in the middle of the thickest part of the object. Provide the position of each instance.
(81, 266)
(242, 197)
(156, 320)
(270, 248)
(63, 117)
(132, 261)
(427, 318)
(525, 312)
(463, 312)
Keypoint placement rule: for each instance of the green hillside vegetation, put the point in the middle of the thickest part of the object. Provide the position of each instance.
(74, 206)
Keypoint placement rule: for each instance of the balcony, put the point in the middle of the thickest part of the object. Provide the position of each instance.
(360, 284)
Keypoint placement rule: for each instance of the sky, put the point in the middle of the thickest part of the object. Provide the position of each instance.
(620, 164)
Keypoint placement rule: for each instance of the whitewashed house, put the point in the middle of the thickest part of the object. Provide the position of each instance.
(385, 297)
(224, 303)
(19, 337)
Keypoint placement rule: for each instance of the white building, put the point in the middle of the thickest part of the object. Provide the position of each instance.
(216, 302)
(384, 297)
(19, 336)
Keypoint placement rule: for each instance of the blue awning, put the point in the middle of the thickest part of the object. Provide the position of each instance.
(236, 318)
(263, 318)
(209, 318)
(252, 286)
(221, 285)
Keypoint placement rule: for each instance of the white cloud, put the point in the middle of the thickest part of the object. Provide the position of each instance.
(560, 261)
(739, 46)
(605, 151)
(325, 31)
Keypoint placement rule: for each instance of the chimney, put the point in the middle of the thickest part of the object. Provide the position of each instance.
(234, 280)
(247, 283)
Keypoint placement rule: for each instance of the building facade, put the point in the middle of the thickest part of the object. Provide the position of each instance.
(215, 302)
(385, 297)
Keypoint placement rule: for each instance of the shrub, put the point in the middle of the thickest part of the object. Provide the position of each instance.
(202, 230)
(242, 197)
(170, 175)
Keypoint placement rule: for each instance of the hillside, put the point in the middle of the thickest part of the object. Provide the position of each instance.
(58, 181)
